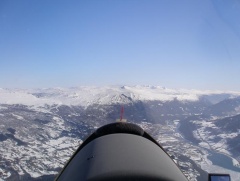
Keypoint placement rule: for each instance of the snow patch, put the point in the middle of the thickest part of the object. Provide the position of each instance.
(18, 117)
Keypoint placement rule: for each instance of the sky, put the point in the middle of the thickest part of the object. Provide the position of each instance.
(176, 44)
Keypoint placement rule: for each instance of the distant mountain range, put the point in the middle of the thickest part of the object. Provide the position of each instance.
(41, 128)
(86, 96)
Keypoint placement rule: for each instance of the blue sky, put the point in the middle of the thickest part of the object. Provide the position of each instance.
(172, 43)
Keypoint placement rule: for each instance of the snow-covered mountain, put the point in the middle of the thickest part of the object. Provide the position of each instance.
(85, 96)
(41, 128)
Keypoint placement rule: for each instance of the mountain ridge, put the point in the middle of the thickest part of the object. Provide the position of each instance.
(88, 95)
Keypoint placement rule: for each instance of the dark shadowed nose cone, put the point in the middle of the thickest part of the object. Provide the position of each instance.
(121, 151)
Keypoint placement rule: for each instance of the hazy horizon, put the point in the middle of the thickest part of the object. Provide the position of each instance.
(211, 91)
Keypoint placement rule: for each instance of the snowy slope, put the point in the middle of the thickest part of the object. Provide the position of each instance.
(85, 96)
